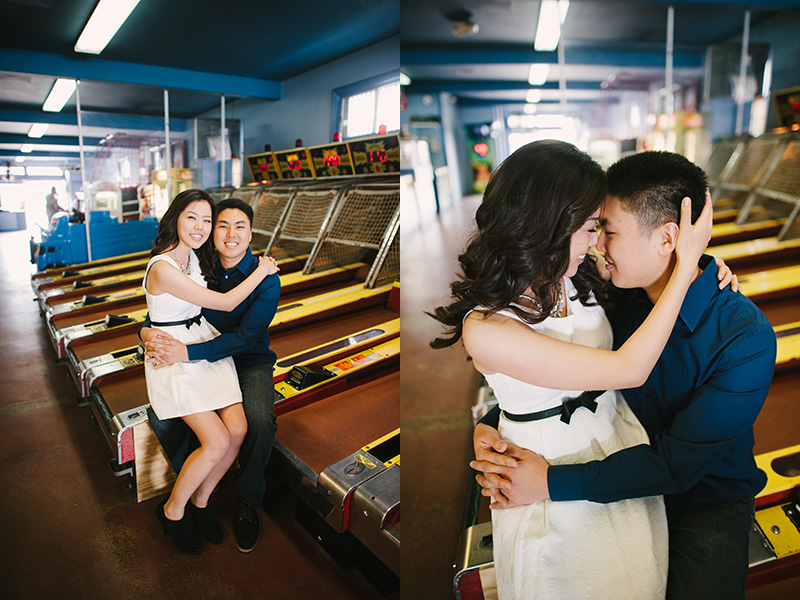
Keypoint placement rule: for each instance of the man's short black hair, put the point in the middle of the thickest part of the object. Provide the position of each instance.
(651, 185)
(238, 204)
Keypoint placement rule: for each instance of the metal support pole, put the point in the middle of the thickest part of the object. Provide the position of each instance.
(562, 77)
(167, 157)
(742, 87)
(241, 152)
(87, 213)
(669, 106)
(222, 141)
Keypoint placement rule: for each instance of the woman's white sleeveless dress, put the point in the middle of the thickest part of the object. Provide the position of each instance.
(576, 550)
(191, 386)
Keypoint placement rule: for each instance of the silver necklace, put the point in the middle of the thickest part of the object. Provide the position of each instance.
(187, 270)
(556, 309)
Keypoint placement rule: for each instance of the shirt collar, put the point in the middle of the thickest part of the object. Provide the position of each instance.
(697, 297)
(243, 266)
(700, 293)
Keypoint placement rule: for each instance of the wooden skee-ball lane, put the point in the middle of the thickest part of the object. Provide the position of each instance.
(66, 328)
(775, 543)
(73, 295)
(56, 272)
(730, 232)
(78, 344)
(53, 288)
(103, 355)
(70, 276)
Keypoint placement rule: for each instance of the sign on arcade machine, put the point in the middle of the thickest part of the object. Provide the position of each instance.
(294, 164)
(331, 160)
(263, 167)
(379, 155)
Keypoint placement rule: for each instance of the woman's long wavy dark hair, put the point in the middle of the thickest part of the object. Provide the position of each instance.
(535, 200)
(168, 231)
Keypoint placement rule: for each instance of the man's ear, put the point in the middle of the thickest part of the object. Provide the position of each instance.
(667, 238)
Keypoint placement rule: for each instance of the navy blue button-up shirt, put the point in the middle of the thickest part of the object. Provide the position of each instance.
(698, 407)
(244, 329)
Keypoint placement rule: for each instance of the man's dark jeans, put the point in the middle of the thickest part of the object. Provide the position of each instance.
(708, 553)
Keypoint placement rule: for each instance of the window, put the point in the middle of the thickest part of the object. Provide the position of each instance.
(45, 172)
(361, 109)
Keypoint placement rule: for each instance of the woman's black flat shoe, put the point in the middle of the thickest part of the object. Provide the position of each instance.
(180, 532)
(208, 525)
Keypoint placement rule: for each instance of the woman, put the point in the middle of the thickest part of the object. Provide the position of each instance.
(206, 395)
(527, 311)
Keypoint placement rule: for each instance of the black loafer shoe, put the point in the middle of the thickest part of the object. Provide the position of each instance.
(208, 525)
(180, 532)
(246, 528)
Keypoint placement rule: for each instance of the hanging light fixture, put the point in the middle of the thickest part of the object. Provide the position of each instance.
(107, 18)
(552, 14)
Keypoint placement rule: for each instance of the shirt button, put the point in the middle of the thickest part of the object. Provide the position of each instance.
(649, 396)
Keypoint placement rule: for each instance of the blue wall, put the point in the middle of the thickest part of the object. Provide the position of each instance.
(781, 32)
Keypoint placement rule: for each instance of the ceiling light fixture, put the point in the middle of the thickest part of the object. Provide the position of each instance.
(404, 79)
(538, 73)
(58, 96)
(548, 30)
(533, 96)
(107, 18)
(26, 148)
(37, 130)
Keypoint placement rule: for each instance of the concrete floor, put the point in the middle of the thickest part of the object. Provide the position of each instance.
(437, 390)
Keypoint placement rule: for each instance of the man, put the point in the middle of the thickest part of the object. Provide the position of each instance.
(244, 335)
(698, 406)
(51, 204)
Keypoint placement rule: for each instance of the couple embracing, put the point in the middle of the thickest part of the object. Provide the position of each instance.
(620, 458)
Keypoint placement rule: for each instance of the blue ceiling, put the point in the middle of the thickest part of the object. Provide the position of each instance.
(609, 46)
(197, 49)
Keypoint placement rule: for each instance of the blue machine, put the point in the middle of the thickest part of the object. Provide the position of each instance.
(64, 243)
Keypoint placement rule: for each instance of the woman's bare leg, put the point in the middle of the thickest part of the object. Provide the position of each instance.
(236, 423)
(215, 441)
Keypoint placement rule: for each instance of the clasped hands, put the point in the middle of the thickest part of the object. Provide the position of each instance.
(509, 474)
(162, 349)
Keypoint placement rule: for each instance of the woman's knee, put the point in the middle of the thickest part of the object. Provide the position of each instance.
(217, 447)
(238, 430)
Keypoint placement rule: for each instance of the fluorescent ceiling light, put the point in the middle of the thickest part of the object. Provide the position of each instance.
(37, 130)
(26, 148)
(107, 18)
(548, 30)
(61, 92)
(533, 96)
(529, 109)
(19, 159)
(404, 79)
(538, 73)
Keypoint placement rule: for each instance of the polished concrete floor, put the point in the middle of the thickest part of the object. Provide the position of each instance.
(437, 390)
(70, 529)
